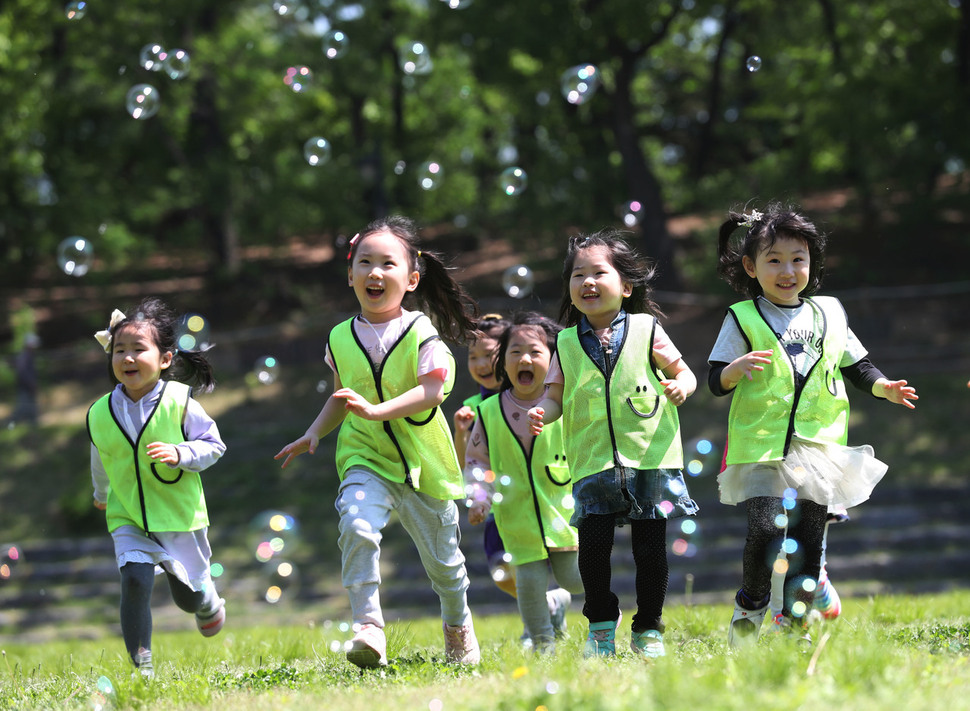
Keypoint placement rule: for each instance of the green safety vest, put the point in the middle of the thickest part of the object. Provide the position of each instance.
(143, 492)
(618, 418)
(536, 493)
(417, 450)
(768, 409)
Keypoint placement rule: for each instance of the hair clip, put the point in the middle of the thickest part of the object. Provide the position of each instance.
(104, 337)
(492, 317)
(749, 220)
(353, 241)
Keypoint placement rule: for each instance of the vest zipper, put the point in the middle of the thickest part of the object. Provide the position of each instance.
(528, 469)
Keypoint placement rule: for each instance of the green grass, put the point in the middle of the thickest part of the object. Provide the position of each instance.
(900, 651)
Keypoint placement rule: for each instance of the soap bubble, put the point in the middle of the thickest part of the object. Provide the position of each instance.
(273, 534)
(152, 57)
(282, 578)
(457, 4)
(518, 281)
(10, 557)
(192, 333)
(142, 101)
(430, 175)
(513, 181)
(267, 370)
(335, 44)
(75, 256)
(754, 63)
(75, 10)
(579, 83)
(317, 150)
(631, 213)
(176, 63)
(298, 78)
(416, 59)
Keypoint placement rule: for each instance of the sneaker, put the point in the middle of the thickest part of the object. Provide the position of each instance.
(745, 625)
(791, 628)
(368, 648)
(143, 662)
(648, 644)
(559, 601)
(210, 625)
(461, 645)
(601, 640)
(827, 600)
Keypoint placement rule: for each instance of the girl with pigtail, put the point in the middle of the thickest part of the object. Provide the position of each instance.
(392, 371)
(149, 441)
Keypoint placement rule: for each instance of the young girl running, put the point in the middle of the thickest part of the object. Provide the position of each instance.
(783, 354)
(394, 449)
(620, 429)
(149, 441)
(531, 496)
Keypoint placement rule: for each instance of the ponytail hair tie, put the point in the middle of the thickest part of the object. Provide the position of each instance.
(353, 241)
(104, 337)
(419, 253)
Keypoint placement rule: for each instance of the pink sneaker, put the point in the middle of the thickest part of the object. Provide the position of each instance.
(461, 645)
(210, 625)
(368, 648)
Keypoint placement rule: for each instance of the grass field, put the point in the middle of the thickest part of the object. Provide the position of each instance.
(892, 652)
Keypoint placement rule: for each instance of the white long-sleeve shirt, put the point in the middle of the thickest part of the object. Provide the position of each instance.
(202, 448)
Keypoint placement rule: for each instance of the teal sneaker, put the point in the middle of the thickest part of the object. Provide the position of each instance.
(601, 640)
(648, 644)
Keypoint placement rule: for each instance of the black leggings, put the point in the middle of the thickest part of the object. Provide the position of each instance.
(806, 526)
(137, 580)
(649, 539)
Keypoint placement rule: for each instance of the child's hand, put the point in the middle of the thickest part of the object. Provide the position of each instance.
(464, 419)
(478, 511)
(100, 505)
(898, 392)
(306, 443)
(165, 453)
(535, 420)
(674, 391)
(356, 403)
(745, 367)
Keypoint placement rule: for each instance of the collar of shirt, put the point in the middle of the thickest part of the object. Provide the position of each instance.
(591, 342)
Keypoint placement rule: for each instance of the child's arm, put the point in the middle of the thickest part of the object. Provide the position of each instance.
(549, 410)
(100, 480)
(203, 445)
(464, 420)
(429, 393)
(680, 382)
(744, 367)
(479, 479)
(332, 414)
(896, 391)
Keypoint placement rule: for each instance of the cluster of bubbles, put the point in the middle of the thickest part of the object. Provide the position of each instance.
(273, 536)
(9, 559)
(75, 256)
(579, 83)
(703, 459)
(518, 281)
(193, 333)
(298, 78)
(143, 100)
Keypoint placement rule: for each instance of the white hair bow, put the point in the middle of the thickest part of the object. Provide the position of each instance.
(749, 220)
(104, 337)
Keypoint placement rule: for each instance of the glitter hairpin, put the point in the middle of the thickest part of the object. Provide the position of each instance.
(749, 220)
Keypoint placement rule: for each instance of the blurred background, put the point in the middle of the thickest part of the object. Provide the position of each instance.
(219, 155)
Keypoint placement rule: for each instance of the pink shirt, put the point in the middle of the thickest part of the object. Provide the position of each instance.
(664, 353)
(476, 454)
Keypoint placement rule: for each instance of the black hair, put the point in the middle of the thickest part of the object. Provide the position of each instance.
(763, 229)
(188, 366)
(524, 320)
(492, 326)
(451, 310)
(631, 266)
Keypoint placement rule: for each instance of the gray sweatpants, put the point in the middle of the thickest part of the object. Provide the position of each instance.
(531, 583)
(365, 501)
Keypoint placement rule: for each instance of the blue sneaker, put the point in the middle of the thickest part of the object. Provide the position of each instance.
(648, 644)
(601, 640)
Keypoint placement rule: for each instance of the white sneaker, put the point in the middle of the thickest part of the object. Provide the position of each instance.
(210, 625)
(745, 625)
(461, 645)
(143, 662)
(368, 648)
(559, 601)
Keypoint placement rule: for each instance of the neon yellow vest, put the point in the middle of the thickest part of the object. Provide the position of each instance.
(142, 492)
(417, 450)
(536, 503)
(620, 419)
(766, 411)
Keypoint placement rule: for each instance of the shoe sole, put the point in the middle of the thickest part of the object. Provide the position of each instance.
(365, 657)
(210, 627)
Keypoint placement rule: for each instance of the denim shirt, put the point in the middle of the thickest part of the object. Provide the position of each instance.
(594, 348)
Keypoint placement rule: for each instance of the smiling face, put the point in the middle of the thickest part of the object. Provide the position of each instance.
(136, 361)
(527, 361)
(782, 270)
(595, 287)
(481, 364)
(381, 276)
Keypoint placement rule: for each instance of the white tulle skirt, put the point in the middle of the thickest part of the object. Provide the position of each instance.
(827, 474)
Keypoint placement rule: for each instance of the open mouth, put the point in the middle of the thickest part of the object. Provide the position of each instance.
(590, 295)
(375, 291)
(525, 378)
